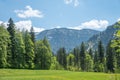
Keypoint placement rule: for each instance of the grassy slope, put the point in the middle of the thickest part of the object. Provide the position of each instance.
(8, 74)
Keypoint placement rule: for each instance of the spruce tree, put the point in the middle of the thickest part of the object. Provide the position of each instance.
(101, 57)
(91, 53)
(42, 56)
(46, 43)
(11, 30)
(76, 53)
(96, 61)
(29, 51)
(110, 58)
(82, 56)
(61, 57)
(32, 33)
(101, 52)
(95, 56)
(20, 51)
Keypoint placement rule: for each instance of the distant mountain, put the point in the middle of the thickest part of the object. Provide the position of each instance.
(68, 38)
(104, 36)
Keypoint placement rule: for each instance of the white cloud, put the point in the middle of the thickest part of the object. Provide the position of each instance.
(27, 26)
(93, 24)
(1, 22)
(24, 25)
(28, 12)
(74, 2)
(4, 23)
(36, 29)
(118, 20)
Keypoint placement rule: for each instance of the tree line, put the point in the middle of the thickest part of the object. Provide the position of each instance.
(20, 50)
(101, 59)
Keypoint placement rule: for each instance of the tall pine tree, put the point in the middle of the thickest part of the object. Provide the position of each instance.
(110, 58)
(101, 52)
(91, 52)
(32, 33)
(19, 51)
(11, 30)
(96, 61)
(101, 57)
(46, 43)
(76, 53)
(29, 51)
(62, 57)
(82, 56)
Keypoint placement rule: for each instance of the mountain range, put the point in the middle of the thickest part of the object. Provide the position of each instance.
(67, 38)
(70, 38)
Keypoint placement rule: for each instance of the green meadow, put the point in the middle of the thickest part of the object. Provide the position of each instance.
(15, 74)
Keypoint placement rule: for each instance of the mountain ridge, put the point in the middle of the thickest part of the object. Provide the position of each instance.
(105, 36)
(64, 37)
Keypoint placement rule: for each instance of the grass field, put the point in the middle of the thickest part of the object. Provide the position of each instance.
(10, 74)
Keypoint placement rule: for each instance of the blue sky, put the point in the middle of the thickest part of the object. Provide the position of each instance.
(48, 14)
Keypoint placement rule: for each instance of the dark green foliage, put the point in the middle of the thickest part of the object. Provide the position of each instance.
(101, 52)
(38, 54)
(96, 60)
(82, 56)
(101, 57)
(19, 51)
(82, 60)
(29, 51)
(11, 30)
(76, 52)
(61, 57)
(110, 58)
(46, 43)
(91, 53)
(95, 57)
(43, 55)
(32, 33)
